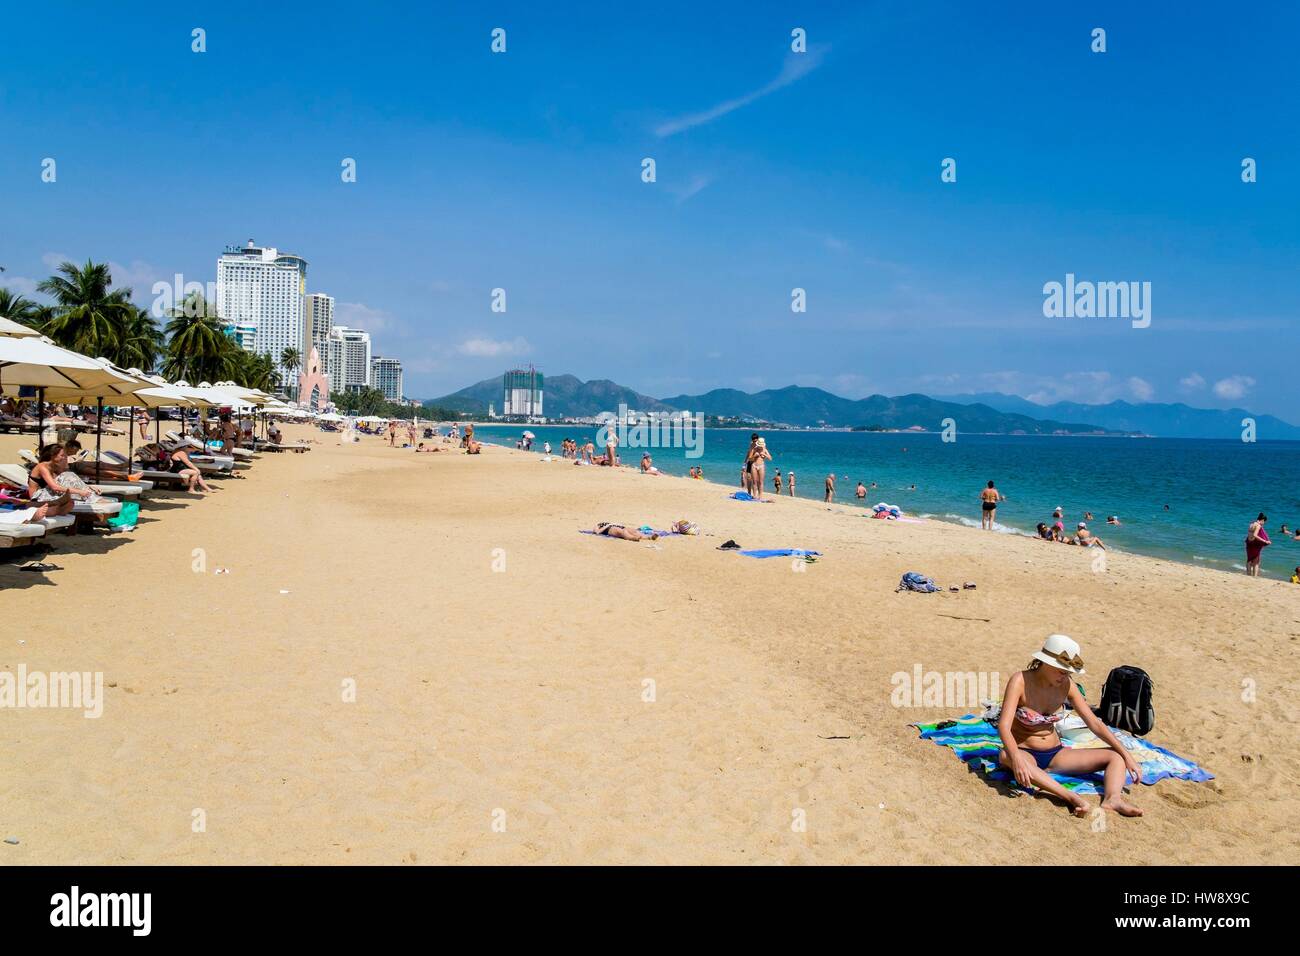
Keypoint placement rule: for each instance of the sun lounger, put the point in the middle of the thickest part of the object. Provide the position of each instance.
(297, 447)
(18, 535)
(149, 476)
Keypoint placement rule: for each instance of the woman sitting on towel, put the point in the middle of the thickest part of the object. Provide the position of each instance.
(1032, 704)
(619, 531)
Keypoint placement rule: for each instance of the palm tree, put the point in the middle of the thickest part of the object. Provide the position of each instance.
(14, 306)
(141, 344)
(254, 370)
(291, 359)
(88, 316)
(198, 348)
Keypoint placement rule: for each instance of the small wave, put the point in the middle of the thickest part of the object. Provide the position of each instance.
(972, 523)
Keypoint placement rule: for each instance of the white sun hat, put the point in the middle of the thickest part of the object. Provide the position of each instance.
(1062, 653)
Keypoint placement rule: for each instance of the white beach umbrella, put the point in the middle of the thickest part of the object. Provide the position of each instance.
(16, 330)
(36, 361)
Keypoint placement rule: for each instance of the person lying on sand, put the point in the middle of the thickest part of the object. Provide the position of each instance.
(619, 531)
(420, 449)
(1032, 704)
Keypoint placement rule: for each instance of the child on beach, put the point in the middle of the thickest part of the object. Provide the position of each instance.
(776, 481)
(1033, 703)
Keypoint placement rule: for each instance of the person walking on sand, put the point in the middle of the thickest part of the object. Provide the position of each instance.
(830, 488)
(1256, 541)
(989, 499)
(1033, 703)
(790, 482)
(776, 481)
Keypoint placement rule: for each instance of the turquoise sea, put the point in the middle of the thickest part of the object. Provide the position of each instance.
(1214, 489)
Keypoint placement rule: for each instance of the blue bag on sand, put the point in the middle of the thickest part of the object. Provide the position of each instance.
(915, 581)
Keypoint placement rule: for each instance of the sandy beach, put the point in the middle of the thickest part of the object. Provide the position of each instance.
(501, 661)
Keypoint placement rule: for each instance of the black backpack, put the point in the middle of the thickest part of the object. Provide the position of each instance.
(1126, 701)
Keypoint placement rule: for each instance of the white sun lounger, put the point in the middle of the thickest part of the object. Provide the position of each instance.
(17, 535)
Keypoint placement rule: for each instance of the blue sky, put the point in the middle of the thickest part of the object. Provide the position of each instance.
(818, 170)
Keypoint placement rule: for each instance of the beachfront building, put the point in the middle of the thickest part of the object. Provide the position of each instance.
(260, 295)
(317, 320)
(523, 393)
(386, 375)
(347, 359)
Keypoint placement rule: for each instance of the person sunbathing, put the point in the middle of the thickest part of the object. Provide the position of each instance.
(420, 449)
(647, 465)
(627, 534)
(1032, 704)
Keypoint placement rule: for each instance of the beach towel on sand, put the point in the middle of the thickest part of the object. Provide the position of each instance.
(780, 553)
(976, 742)
(746, 496)
(662, 534)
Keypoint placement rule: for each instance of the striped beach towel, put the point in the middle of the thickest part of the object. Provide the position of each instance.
(975, 741)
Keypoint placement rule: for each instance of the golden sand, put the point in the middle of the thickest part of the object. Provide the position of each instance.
(518, 697)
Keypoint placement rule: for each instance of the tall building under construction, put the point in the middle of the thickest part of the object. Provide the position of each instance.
(523, 393)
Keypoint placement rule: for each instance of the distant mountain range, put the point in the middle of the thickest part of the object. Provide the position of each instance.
(991, 412)
(567, 396)
(1151, 418)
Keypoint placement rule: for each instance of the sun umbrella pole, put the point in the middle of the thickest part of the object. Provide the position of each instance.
(130, 443)
(99, 431)
(40, 420)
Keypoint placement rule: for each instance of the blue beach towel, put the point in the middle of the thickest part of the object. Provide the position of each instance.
(746, 496)
(780, 553)
(976, 742)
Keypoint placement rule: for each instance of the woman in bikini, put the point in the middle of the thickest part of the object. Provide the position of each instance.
(180, 463)
(44, 487)
(989, 499)
(1032, 704)
(619, 531)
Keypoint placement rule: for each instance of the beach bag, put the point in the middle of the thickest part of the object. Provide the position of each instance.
(127, 517)
(1126, 701)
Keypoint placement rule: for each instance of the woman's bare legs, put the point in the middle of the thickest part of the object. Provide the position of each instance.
(1043, 781)
(1078, 762)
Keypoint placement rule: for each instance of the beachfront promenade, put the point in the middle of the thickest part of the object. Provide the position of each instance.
(418, 659)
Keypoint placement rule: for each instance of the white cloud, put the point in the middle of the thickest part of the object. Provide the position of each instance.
(796, 66)
(19, 285)
(52, 260)
(493, 348)
(1193, 382)
(358, 315)
(1142, 389)
(139, 276)
(695, 184)
(1233, 387)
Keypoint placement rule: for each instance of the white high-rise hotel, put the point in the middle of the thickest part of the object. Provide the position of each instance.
(347, 359)
(260, 293)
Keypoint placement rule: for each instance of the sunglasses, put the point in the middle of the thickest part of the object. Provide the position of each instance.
(1065, 660)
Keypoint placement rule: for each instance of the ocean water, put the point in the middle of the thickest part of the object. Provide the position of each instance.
(1214, 489)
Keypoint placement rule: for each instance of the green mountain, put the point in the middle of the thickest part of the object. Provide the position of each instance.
(795, 405)
(1174, 420)
(567, 396)
(564, 396)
